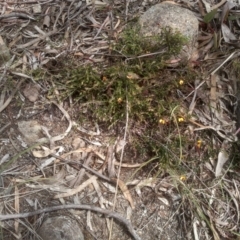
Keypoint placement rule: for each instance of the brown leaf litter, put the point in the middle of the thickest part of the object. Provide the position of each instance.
(75, 165)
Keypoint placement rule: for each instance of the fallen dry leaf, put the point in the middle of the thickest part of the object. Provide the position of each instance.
(227, 33)
(16, 204)
(125, 191)
(71, 192)
(45, 152)
(222, 159)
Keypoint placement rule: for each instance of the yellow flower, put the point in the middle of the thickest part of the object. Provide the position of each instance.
(119, 100)
(199, 143)
(181, 82)
(180, 119)
(162, 121)
(183, 178)
(104, 78)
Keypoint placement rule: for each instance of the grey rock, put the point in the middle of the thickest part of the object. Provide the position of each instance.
(60, 228)
(168, 14)
(31, 130)
(31, 92)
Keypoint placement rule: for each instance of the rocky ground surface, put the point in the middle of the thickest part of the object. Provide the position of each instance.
(50, 156)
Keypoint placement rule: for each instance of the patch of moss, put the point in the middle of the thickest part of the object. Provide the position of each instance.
(139, 83)
(37, 74)
(119, 88)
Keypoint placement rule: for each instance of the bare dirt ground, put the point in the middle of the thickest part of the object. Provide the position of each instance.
(76, 160)
(153, 216)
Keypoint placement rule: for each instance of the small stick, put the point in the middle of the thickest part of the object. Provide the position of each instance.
(228, 58)
(74, 164)
(218, 5)
(16, 15)
(106, 212)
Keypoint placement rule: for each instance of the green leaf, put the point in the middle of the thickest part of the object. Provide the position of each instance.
(209, 16)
